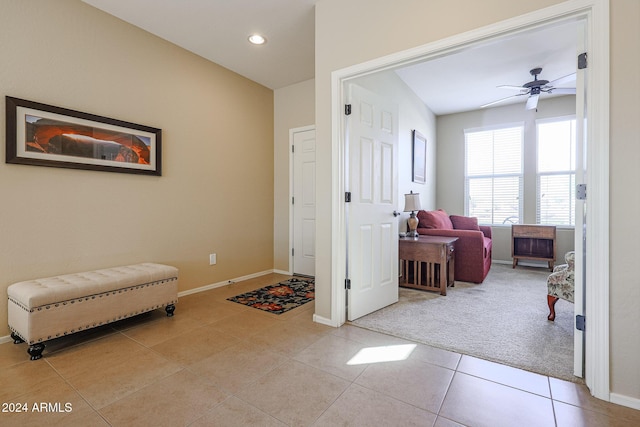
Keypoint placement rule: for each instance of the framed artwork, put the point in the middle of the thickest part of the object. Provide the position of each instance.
(419, 160)
(44, 135)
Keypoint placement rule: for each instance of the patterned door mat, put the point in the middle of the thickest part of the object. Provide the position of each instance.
(279, 298)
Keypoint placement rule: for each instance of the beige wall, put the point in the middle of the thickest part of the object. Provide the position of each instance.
(216, 192)
(625, 197)
(294, 107)
(450, 193)
(349, 33)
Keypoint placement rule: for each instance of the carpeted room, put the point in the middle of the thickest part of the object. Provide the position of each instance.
(504, 319)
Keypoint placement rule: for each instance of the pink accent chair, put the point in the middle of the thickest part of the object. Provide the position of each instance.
(473, 247)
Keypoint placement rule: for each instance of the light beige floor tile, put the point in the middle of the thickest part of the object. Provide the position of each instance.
(579, 395)
(478, 402)
(506, 375)
(359, 406)
(105, 386)
(12, 354)
(435, 356)
(96, 355)
(152, 333)
(24, 377)
(332, 354)
(287, 338)
(83, 417)
(294, 393)
(244, 325)
(233, 412)
(237, 366)
(445, 422)
(367, 337)
(569, 416)
(413, 382)
(207, 311)
(174, 400)
(195, 345)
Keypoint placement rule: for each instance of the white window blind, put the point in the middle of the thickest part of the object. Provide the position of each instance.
(556, 172)
(493, 174)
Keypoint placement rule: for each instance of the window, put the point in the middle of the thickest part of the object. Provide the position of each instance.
(556, 172)
(493, 174)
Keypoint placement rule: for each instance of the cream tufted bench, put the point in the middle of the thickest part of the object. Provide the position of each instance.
(44, 309)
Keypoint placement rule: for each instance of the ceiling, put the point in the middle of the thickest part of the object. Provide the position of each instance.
(218, 30)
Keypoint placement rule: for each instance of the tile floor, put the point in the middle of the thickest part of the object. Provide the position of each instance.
(217, 363)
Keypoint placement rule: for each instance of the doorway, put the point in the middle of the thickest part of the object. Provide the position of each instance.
(596, 265)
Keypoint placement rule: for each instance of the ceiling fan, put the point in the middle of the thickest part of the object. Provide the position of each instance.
(535, 87)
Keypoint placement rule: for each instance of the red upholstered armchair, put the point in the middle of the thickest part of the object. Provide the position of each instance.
(473, 247)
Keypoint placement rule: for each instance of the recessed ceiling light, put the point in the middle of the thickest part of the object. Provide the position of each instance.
(257, 39)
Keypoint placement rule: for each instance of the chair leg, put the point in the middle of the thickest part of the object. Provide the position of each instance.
(551, 301)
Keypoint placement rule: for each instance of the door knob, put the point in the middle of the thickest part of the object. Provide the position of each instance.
(396, 213)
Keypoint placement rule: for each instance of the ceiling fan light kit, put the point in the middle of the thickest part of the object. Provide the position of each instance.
(536, 87)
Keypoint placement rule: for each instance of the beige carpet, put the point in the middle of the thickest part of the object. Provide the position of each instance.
(504, 319)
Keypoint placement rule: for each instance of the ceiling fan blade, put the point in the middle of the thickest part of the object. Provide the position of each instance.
(563, 91)
(512, 87)
(532, 102)
(499, 100)
(562, 80)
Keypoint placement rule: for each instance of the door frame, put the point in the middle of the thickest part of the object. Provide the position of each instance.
(292, 132)
(596, 14)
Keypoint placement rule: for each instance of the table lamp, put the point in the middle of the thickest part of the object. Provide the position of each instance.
(412, 204)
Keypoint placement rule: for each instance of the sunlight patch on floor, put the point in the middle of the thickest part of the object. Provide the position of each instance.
(388, 353)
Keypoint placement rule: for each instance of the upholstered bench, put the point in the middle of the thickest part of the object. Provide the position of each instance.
(44, 309)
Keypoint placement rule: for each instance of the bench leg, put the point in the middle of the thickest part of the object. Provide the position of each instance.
(35, 351)
(551, 302)
(170, 309)
(16, 338)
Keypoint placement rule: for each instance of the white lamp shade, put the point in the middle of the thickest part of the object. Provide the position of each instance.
(412, 202)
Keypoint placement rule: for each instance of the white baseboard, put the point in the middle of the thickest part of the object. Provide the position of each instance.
(323, 321)
(288, 273)
(630, 402)
(6, 338)
(224, 283)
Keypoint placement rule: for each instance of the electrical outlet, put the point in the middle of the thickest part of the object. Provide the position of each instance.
(212, 259)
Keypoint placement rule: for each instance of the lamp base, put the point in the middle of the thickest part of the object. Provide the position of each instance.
(412, 221)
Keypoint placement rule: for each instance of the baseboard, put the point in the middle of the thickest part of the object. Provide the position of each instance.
(288, 273)
(521, 263)
(6, 338)
(630, 402)
(224, 283)
(323, 321)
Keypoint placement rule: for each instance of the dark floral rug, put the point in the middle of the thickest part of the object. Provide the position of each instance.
(279, 298)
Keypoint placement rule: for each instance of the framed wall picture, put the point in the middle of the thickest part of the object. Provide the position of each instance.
(44, 135)
(419, 160)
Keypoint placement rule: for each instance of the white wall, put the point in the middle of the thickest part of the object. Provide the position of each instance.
(450, 179)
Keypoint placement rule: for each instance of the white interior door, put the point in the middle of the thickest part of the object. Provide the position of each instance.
(304, 202)
(372, 180)
(580, 207)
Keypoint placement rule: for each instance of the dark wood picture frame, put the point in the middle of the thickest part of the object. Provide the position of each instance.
(419, 157)
(43, 135)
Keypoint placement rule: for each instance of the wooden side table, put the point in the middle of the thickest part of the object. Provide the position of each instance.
(537, 242)
(427, 263)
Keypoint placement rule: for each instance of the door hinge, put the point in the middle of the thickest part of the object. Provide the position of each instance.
(347, 109)
(582, 61)
(347, 197)
(293, 200)
(293, 148)
(581, 191)
(293, 252)
(580, 322)
(347, 283)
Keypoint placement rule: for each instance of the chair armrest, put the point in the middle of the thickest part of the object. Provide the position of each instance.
(486, 230)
